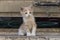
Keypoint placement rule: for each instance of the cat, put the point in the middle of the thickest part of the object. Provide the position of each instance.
(28, 26)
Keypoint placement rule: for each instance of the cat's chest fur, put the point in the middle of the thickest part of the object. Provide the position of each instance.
(29, 20)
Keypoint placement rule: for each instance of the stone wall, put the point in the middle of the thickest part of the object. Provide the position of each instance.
(14, 6)
(11, 8)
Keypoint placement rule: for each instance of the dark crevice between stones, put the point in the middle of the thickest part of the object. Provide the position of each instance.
(42, 22)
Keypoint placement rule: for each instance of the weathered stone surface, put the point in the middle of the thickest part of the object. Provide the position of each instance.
(48, 0)
(10, 35)
(16, 0)
(12, 9)
(32, 38)
(2, 38)
(21, 38)
(17, 14)
(8, 38)
(54, 39)
(46, 9)
(40, 31)
(28, 0)
(28, 38)
(36, 14)
(40, 14)
(41, 39)
(14, 6)
(54, 14)
(37, 38)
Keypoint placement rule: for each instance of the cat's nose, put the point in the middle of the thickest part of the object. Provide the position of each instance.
(29, 16)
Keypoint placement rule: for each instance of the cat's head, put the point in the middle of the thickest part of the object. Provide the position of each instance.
(26, 11)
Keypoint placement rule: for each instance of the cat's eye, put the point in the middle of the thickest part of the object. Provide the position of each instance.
(25, 13)
(30, 12)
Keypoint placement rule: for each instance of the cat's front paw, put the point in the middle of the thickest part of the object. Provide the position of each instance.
(20, 34)
(33, 34)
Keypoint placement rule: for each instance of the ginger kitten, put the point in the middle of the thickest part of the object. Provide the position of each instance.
(28, 27)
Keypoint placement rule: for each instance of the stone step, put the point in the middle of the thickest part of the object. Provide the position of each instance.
(21, 38)
(47, 34)
(17, 14)
(36, 14)
(29, 38)
(40, 31)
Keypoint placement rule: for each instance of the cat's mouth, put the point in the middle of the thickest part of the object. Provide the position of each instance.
(28, 15)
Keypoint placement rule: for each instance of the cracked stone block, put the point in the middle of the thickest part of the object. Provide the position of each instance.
(2, 38)
(54, 38)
